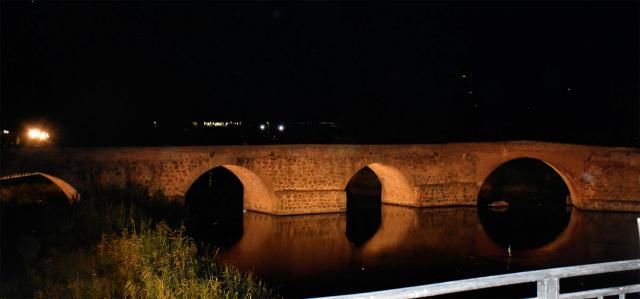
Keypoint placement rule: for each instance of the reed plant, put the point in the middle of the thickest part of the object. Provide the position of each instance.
(113, 243)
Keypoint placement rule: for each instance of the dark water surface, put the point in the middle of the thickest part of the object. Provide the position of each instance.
(516, 227)
(312, 255)
(523, 221)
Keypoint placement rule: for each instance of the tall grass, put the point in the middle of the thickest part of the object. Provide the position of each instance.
(111, 244)
(152, 262)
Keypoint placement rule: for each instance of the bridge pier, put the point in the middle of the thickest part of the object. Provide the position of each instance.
(295, 202)
(448, 194)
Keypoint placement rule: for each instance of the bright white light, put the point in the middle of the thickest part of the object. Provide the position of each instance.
(280, 128)
(262, 127)
(221, 123)
(38, 134)
(34, 133)
(5, 132)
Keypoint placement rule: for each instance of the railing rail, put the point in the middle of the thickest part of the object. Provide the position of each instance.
(547, 281)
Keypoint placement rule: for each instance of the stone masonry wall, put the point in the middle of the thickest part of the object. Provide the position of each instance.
(300, 179)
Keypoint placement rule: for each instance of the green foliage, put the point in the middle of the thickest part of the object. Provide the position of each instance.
(152, 262)
(111, 244)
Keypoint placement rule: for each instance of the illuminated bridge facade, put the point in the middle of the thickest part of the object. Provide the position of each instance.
(304, 179)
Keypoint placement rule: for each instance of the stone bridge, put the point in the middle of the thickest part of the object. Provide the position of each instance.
(304, 179)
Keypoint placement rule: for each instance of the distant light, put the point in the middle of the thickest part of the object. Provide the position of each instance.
(33, 133)
(463, 76)
(568, 89)
(262, 127)
(221, 123)
(470, 92)
(280, 128)
(38, 134)
(5, 132)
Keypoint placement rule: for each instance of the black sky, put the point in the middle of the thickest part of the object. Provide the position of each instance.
(389, 72)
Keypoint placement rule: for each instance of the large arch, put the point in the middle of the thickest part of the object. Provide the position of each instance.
(257, 194)
(483, 175)
(524, 203)
(396, 189)
(69, 191)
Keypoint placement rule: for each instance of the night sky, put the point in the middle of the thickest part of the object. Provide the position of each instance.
(412, 72)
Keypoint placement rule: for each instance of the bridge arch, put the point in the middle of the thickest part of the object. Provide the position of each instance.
(522, 203)
(69, 191)
(396, 188)
(257, 195)
(484, 174)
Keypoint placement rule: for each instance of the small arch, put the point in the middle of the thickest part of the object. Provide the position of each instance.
(396, 189)
(257, 194)
(522, 203)
(69, 191)
(214, 207)
(364, 206)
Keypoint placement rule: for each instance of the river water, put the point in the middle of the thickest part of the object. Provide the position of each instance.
(377, 246)
(312, 255)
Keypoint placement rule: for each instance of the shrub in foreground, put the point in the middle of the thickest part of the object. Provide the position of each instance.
(111, 244)
(150, 263)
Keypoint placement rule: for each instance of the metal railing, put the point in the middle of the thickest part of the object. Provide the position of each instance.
(547, 280)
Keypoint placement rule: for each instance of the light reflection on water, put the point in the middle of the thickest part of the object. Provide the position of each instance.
(310, 255)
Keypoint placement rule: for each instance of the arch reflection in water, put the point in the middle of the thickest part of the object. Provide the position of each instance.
(523, 204)
(215, 208)
(364, 203)
(309, 255)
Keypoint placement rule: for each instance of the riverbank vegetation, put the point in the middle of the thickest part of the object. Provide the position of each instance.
(110, 244)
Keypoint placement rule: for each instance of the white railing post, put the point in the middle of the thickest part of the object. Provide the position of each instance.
(549, 288)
